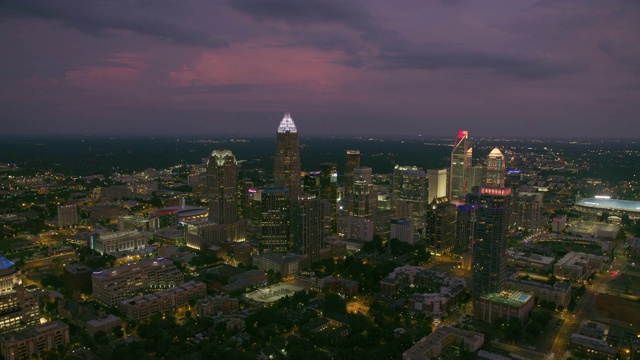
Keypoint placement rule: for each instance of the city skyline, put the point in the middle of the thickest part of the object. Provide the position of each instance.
(498, 68)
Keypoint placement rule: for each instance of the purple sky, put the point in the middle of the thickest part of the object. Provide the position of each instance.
(404, 67)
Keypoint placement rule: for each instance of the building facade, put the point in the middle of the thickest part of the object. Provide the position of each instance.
(29, 343)
(18, 307)
(222, 187)
(490, 215)
(461, 157)
(437, 179)
(351, 161)
(409, 186)
(308, 217)
(275, 221)
(67, 215)
(287, 168)
(496, 169)
(440, 227)
(110, 286)
(115, 242)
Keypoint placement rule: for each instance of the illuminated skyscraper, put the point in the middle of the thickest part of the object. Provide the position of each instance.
(495, 172)
(460, 163)
(490, 208)
(352, 161)
(286, 170)
(437, 183)
(308, 218)
(329, 188)
(222, 187)
(409, 186)
(440, 229)
(276, 219)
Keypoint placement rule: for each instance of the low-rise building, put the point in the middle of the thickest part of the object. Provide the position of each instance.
(559, 293)
(593, 348)
(213, 304)
(106, 324)
(144, 306)
(543, 264)
(431, 346)
(110, 286)
(578, 266)
(111, 243)
(33, 341)
(287, 264)
(507, 305)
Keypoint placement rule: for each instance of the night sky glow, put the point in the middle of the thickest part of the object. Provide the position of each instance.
(521, 68)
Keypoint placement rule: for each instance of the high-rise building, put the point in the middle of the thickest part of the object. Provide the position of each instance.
(491, 207)
(329, 188)
(460, 163)
(352, 161)
(366, 173)
(402, 229)
(67, 215)
(287, 168)
(363, 200)
(276, 219)
(409, 186)
(437, 179)
(440, 229)
(308, 217)
(222, 183)
(19, 307)
(495, 170)
(527, 212)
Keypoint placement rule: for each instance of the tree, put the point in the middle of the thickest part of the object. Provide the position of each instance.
(101, 337)
(118, 332)
(334, 304)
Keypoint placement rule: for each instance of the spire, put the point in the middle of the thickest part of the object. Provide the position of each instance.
(287, 124)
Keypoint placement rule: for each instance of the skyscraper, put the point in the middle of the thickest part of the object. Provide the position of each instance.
(287, 168)
(352, 161)
(437, 183)
(222, 187)
(329, 188)
(409, 186)
(460, 163)
(495, 172)
(440, 228)
(276, 219)
(309, 215)
(491, 207)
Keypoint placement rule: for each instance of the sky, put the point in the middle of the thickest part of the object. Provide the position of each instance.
(526, 68)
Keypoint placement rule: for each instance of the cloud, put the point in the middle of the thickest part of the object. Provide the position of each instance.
(237, 88)
(348, 13)
(97, 17)
(441, 57)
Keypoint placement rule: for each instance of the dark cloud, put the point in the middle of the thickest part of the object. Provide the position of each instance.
(96, 17)
(348, 13)
(439, 56)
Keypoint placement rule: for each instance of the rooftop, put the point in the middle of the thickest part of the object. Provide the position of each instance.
(610, 204)
(287, 124)
(511, 298)
(5, 263)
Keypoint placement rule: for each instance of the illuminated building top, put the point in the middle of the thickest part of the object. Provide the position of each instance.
(221, 156)
(496, 153)
(287, 124)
